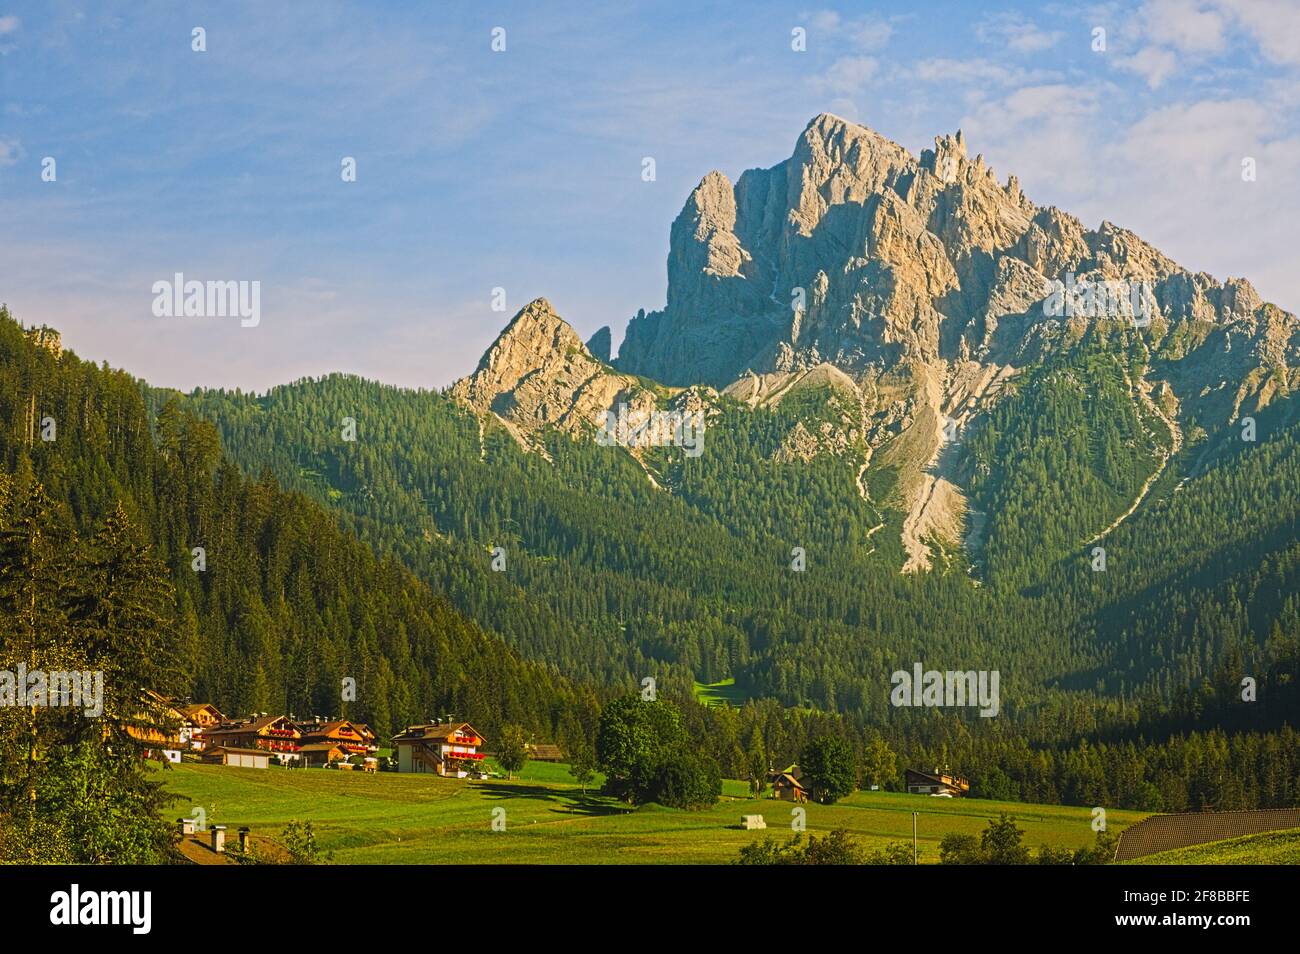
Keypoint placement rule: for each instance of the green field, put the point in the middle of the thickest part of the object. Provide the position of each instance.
(1269, 848)
(724, 693)
(394, 819)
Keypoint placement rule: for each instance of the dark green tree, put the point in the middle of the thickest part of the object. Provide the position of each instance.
(828, 768)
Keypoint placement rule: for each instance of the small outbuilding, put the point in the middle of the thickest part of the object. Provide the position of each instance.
(319, 754)
(241, 758)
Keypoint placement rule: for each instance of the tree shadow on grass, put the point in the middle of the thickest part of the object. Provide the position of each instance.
(565, 801)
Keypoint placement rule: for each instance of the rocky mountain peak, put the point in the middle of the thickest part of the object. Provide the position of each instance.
(538, 373)
(856, 252)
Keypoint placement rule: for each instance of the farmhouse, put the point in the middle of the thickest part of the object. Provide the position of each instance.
(202, 716)
(353, 738)
(160, 726)
(275, 734)
(450, 749)
(944, 784)
(787, 786)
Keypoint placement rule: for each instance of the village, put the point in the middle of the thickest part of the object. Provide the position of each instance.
(442, 747)
(201, 732)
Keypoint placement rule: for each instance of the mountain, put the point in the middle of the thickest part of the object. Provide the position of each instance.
(924, 463)
(855, 252)
(929, 461)
(918, 290)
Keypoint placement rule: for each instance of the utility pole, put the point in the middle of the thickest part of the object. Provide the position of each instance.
(915, 856)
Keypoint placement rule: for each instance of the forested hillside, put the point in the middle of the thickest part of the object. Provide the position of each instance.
(613, 578)
(283, 604)
(289, 603)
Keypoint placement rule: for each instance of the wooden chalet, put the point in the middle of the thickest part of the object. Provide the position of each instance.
(197, 719)
(353, 738)
(788, 785)
(941, 783)
(160, 726)
(544, 752)
(269, 733)
(202, 715)
(448, 748)
(320, 754)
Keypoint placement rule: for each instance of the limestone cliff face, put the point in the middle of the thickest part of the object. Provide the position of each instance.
(856, 252)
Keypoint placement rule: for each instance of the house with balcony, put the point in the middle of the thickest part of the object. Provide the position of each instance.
(450, 749)
(944, 784)
(352, 738)
(159, 726)
(197, 719)
(268, 733)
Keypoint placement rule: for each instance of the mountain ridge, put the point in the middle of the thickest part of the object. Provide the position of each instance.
(923, 287)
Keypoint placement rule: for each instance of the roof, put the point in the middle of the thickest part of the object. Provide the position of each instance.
(941, 778)
(545, 752)
(788, 779)
(328, 728)
(197, 850)
(1165, 832)
(256, 725)
(436, 733)
(193, 710)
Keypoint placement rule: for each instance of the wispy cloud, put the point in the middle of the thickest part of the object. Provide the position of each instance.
(1018, 34)
(979, 72)
(1153, 63)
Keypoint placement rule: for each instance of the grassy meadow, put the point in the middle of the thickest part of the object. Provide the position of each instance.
(389, 818)
(724, 693)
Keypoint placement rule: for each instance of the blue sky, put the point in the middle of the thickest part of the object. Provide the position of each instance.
(522, 169)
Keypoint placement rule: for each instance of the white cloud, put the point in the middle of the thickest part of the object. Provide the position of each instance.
(9, 24)
(1018, 34)
(1050, 101)
(865, 34)
(1173, 176)
(848, 74)
(1192, 26)
(9, 151)
(1153, 63)
(1273, 24)
(1199, 139)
